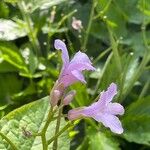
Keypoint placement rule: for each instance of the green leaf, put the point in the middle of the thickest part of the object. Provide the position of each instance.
(32, 5)
(100, 141)
(10, 30)
(136, 122)
(132, 63)
(4, 10)
(30, 118)
(10, 54)
(9, 85)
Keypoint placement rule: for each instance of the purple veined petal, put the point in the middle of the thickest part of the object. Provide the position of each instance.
(80, 57)
(108, 95)
(91, 110)
(67, 79)
(60, 45)
(111, 91)
(80, 62)
(110, 121)
(80, 66)
(79, 76)
(115, 109)
(75, 113)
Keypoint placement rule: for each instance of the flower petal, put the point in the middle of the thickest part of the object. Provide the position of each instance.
(110, 121)
(67, 79)
(108, 95)
(80, 57)
(58, 44)
(78, 75)
(115, 109)
(80, 62)
(75, 113)
(80, 66)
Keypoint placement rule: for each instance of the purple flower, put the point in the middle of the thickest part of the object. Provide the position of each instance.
(72, 70)
(103, 110)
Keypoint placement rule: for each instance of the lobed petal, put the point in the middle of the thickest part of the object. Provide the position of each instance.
(60, 45)
(78, 75)
(108, 95)
(110, 121)
(80, 62)
(80, 57)
(80, 66)
(115, 109)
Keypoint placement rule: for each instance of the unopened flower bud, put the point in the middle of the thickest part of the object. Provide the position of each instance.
(69, 97)
(76, 24)
(55, 97)
(56, 93)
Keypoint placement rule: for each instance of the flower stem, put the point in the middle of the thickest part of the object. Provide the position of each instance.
(43, 132)
(59, 133)
(44, 143)
(58, 126)
(31, 32)
(89, 26)
(9, 141)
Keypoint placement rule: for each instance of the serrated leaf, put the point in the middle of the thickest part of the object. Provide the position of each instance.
(10, 30)
(31, 118)
(136, 122)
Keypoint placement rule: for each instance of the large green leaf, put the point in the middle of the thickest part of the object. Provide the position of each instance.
(31, 118)
(136, 122)
(10, 54)
(32, 5)
(101, 141)
(10, 30)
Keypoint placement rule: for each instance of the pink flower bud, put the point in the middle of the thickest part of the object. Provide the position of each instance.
(55, 97)
(69, 97)
(56, 93)
(76, 24)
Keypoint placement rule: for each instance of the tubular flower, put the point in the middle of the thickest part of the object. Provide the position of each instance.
(103, 110)
(72, 70)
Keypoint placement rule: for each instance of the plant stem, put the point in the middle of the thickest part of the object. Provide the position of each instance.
(58, 126)
(115, 49)
(102, 72)
(89, 26)
(43, 132)
(44, 142)
(31, 32)
(101, 55)
(145, 88)
(9, 141)
(59, 133)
